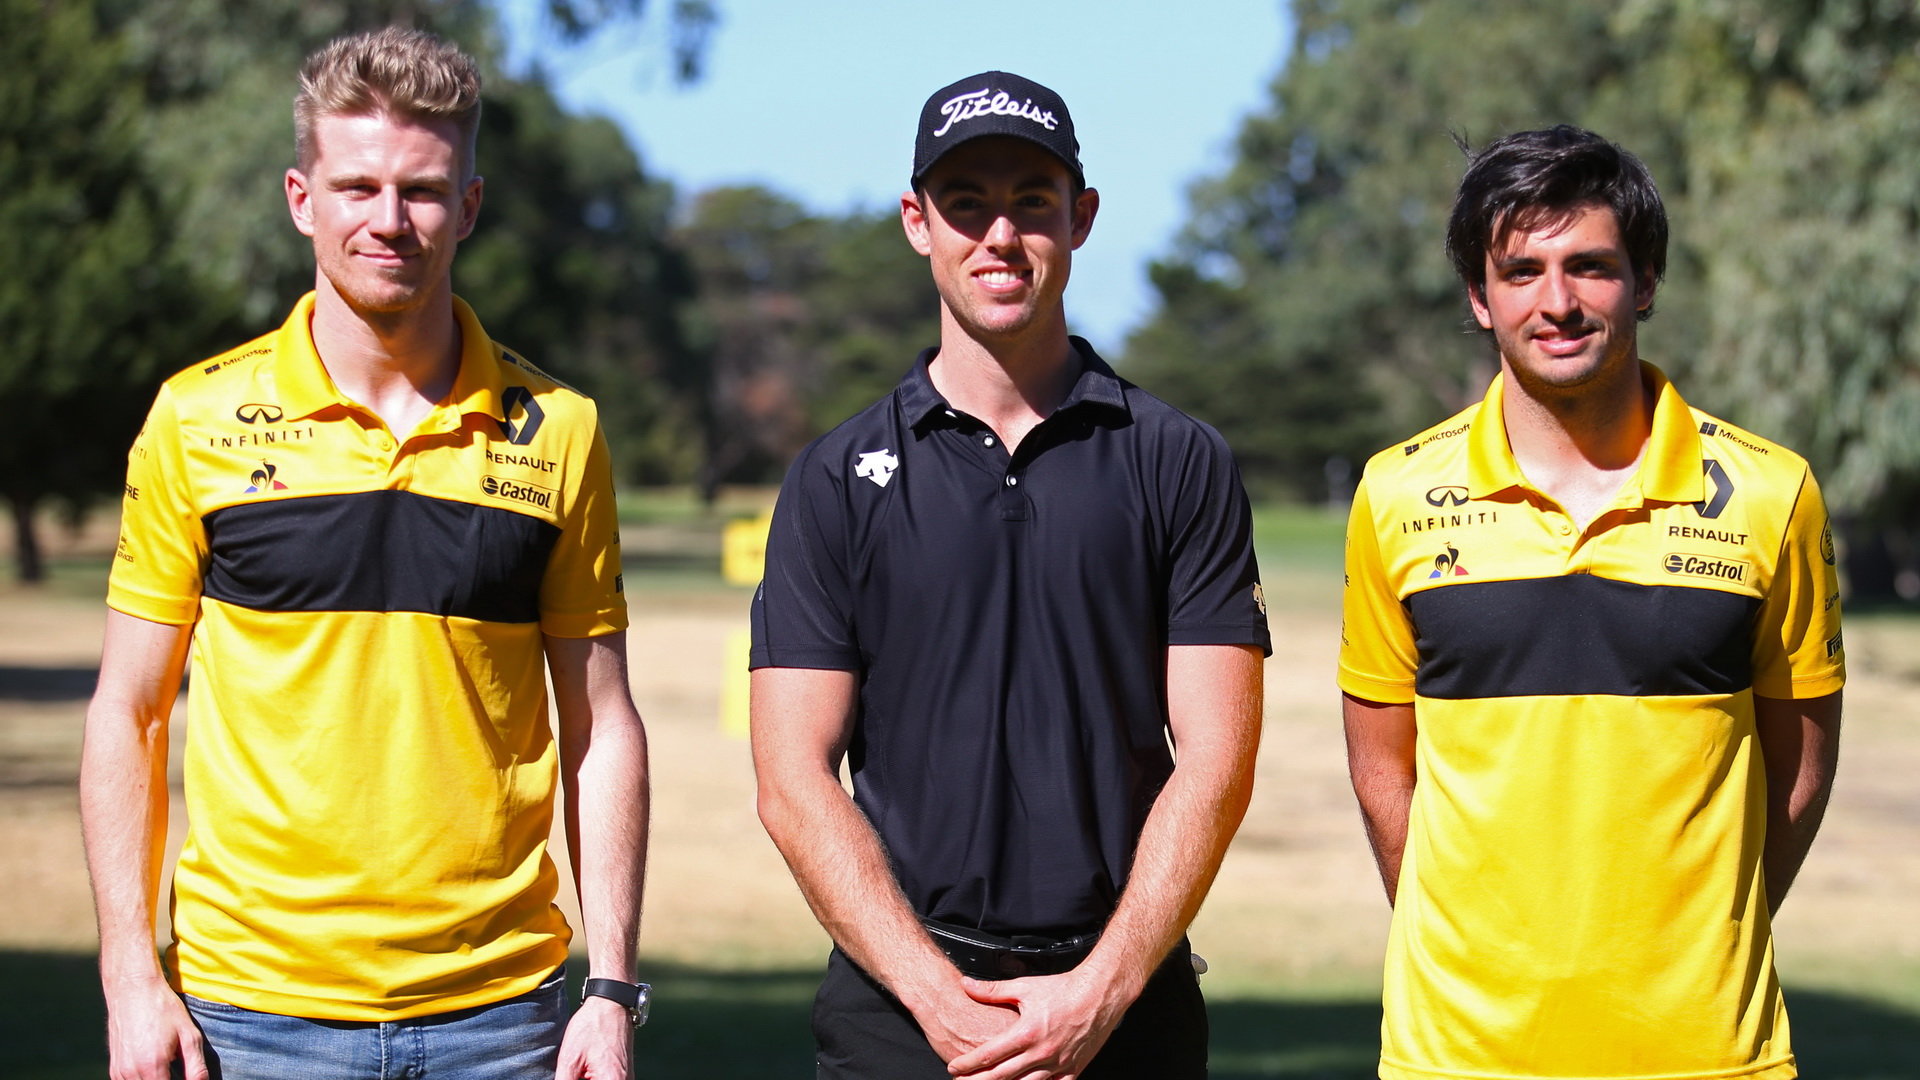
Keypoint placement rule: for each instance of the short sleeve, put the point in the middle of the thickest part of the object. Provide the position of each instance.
(802, 612)
(583, 592)
(1798, 651)
(161, 559)
(1378, 658)
(1213, 592)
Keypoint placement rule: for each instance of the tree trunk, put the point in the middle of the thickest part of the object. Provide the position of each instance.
(30, 564)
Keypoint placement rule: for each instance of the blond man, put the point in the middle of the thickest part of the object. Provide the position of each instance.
(376, 532)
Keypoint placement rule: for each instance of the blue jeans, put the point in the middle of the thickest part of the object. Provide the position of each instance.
(516, 1039)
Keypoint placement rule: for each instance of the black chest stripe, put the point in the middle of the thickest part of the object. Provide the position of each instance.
(1580, 634)
(379, 551)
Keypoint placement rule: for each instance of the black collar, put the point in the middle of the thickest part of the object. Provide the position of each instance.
(920, 403)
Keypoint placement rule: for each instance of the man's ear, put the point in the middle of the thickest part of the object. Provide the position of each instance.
(300, 201)
(1085, 208)
(1643, 288)
(470, 205)
(1477, 299)
(913, 220)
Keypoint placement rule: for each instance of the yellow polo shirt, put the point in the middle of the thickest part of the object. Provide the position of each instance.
(370, 772)
(1581, 892)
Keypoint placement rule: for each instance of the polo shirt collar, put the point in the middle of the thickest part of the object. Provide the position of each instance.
(1669, 470)
(305, 388)
(478, 385)
(1096, 385)
(299, 377)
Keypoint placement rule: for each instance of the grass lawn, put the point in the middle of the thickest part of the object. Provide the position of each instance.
(1293, 927)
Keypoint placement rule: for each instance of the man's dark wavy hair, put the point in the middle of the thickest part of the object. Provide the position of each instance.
(1534, 178)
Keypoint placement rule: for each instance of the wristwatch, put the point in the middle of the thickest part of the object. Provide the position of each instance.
(636, 998)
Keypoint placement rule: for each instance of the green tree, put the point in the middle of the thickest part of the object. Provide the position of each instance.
(869, 315)
(572, 264)
(1308, 305)
(91, 307)
(801, 321)
(1315, 261)
(140, 185)
(1801, 210)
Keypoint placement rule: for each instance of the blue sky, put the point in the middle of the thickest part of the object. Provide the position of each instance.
(818, 100)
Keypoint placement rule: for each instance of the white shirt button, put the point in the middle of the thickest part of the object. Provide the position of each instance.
(988, 441)
(1013, 481)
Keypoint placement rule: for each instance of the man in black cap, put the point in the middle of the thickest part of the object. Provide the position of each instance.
(1001, 591)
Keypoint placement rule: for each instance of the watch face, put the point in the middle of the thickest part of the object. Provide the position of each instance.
(642, 1005)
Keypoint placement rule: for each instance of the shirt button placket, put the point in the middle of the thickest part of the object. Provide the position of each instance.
(1013, 501)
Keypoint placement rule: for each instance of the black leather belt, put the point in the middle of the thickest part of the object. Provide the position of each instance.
(989, 956)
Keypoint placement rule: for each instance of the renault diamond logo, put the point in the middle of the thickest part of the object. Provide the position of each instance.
(1447, 495)
(532, 415)
(257, 413)
(1711, 506)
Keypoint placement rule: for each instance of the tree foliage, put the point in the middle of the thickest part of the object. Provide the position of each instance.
(801, 321)
(1308, 307)
(91, 308)
(572, 263)
(140, 182)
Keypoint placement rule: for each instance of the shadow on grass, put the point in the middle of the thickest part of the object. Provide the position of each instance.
(19, 683)
(718, 1025)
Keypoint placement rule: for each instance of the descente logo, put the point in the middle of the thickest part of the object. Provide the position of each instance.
(979, 103)
(1701, 566)
(518, 492)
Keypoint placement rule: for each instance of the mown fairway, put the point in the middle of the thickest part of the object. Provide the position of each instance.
(1293, 930)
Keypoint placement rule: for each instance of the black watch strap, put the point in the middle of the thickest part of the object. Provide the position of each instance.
(633, 997)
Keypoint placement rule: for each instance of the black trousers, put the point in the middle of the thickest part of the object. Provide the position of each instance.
(864, 1033)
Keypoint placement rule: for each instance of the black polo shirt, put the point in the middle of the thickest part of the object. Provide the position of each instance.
(1008, 618)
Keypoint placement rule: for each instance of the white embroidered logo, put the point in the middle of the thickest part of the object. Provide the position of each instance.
(877, 466)
(979, 103)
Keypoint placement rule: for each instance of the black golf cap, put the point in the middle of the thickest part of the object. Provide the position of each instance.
(994, 103)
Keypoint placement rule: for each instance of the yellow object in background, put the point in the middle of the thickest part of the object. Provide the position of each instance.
(743, 559)
(743, 549)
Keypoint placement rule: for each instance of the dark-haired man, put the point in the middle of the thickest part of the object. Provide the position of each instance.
(377, 532)
(1592, 668)
(999, 591)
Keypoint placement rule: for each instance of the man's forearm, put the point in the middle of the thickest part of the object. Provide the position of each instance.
(1800, 748)
(1187, 832)
(1214, 706)
(842, 869)
(1381, 763)
(608, 816)
(123, 786)
(603, 762)
(123, 818)
(802, 722)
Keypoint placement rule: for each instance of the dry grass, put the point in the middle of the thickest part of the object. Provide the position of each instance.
(1296, 910)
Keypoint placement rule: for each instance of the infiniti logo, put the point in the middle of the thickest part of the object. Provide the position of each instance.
(1447, 495)
(254, 412)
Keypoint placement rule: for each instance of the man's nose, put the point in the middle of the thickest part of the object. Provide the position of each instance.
(389, 213)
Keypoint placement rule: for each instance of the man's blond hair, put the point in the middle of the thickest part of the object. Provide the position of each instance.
(399, 71)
